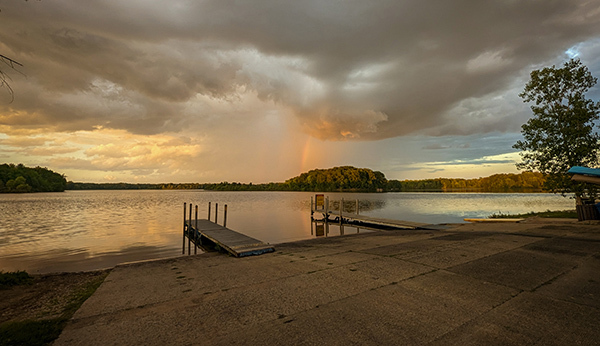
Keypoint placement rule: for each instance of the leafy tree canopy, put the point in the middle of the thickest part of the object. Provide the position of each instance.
(561, 133)
(18, 178)
(345, 178)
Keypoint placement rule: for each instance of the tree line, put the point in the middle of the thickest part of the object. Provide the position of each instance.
(523, 182)
(20, 179)
(349, 179)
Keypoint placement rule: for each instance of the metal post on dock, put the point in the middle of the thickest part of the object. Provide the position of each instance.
(312, 209)
(327, 208)
(357, 209)
(208, 211)
(196, 233)
(189, 237)
(341, 208)
(225, 217)
(184, 210)
(217, 213)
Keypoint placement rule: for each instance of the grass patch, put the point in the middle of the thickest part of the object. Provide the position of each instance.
(45, 331)
(10, 279)
(567, 214)
(31, 332)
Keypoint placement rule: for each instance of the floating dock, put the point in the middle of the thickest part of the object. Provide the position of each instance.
(322, 206)
(204, 232)
(363, 219)
(237, 244)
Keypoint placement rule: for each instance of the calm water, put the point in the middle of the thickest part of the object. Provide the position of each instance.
(85, 230)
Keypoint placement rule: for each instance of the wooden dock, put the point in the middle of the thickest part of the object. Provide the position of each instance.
(321, 205)
(237, 244)
(202, 232)
(358, 219)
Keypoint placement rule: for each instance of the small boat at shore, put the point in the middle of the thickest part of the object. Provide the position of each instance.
(585, 174)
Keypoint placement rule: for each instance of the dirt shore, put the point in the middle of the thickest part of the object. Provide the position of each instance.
(46, 297)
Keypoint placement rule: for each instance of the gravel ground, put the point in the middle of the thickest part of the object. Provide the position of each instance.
(47, 297)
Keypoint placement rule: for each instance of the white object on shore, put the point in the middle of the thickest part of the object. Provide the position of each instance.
(493, 220)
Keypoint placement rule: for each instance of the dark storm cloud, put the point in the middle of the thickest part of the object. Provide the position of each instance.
(347, 69)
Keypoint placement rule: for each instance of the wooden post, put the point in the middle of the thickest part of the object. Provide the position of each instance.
(341, 208)
(208, 211)
(189, 237)
(327, 208)
(357, 210)
(196, 233)
(225, 216)
(216, 213)
(183, 246)
(312, 210)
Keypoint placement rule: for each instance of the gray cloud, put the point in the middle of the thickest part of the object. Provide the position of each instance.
(347, 70)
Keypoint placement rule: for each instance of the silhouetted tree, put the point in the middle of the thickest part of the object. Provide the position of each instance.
(561, 132)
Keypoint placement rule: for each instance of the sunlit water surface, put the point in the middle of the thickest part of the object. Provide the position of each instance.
(86, 230)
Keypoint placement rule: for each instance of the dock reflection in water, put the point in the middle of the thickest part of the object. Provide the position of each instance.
(321, 228)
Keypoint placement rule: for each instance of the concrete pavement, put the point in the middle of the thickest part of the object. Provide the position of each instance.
(532, 283)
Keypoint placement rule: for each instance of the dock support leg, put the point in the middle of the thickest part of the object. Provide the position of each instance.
(357, 212)
(208, 211)
(225, 216)
(341, 209)
(217, 213)
(189, 236)
(183, 246)
(196, 233)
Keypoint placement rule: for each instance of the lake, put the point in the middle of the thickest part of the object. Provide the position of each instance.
(87, 230)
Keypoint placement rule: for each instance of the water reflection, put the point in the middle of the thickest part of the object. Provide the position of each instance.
(83, 230)
(323, 228)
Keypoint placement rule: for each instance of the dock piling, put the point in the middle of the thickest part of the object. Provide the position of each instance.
(196, 233)
(217, 213)
(183, 246)
(341, 208)
(189, 238)
(225, 216)
(208, 211)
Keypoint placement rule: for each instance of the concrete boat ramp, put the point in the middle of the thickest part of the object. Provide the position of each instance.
(528, 283)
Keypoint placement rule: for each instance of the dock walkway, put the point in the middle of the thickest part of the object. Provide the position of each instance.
(357, 218)
(320, 205)
(237, 244)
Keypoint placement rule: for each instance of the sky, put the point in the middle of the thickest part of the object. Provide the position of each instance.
(260, 91)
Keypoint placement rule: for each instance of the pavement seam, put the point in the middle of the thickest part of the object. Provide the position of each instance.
(393, 283)
(492, 308)
(494, 254)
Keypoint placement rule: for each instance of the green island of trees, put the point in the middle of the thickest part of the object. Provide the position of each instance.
(21, 179)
